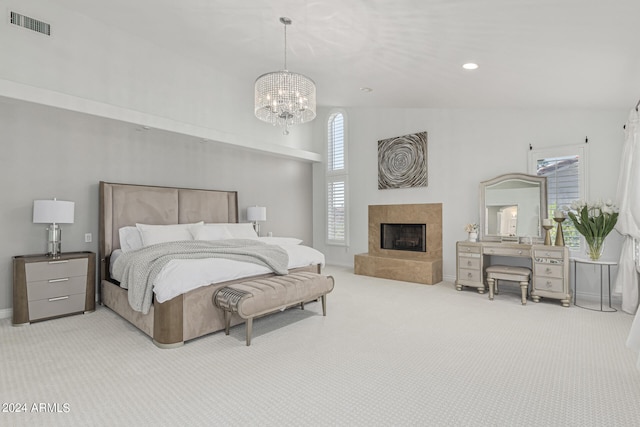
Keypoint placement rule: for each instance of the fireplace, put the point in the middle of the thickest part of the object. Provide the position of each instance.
(405, 243)
(403, 237)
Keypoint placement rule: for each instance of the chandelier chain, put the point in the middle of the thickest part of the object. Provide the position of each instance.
(285, 46)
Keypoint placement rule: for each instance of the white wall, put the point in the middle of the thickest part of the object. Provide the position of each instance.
(48, 152)
(87, 66)
(465, 146)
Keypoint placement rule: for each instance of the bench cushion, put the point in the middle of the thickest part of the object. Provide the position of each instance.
(507, 272)
(260, 296)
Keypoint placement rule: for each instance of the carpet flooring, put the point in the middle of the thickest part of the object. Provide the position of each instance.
(388, 354)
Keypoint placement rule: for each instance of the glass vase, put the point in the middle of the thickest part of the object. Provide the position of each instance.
(595, 248)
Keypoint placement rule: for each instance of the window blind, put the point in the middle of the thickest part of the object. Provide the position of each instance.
(336, 160)
(336, 211)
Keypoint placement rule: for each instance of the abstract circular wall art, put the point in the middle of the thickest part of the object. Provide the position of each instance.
(402, 161)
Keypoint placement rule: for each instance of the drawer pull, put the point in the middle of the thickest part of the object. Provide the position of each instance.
(62, 261)
(548, 283)
(519, 252)
(548, 270)
(468, 249)
(469, 275)
(59, 280)
(58, 298)
(469, 263)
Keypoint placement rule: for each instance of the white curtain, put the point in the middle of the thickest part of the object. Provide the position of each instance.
(628, 197)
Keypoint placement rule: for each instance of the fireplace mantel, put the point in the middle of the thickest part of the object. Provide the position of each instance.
(411, 266)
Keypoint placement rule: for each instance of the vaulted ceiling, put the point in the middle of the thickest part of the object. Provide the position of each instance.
(531, 53)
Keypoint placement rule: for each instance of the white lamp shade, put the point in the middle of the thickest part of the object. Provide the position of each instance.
(257, 213)
(53, 211)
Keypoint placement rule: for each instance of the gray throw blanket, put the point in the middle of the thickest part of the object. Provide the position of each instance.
(138, 269)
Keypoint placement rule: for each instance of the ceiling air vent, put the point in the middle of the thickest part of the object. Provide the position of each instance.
(30, 23)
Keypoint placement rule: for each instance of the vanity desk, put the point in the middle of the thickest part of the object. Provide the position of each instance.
(511, 209)
(550, 267)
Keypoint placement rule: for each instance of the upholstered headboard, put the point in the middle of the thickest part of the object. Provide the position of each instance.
(127, 204)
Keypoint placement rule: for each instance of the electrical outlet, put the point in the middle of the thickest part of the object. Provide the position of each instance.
(87, 238)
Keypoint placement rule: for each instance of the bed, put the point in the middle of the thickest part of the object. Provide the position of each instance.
(191, 314)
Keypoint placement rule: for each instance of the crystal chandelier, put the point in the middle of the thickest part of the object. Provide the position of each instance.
(284, 98)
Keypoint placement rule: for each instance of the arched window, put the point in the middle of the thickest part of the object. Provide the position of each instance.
(337, 233)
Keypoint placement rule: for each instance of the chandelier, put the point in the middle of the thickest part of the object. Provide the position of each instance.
(283, 98)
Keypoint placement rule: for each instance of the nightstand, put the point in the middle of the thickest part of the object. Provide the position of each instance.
(45, 287)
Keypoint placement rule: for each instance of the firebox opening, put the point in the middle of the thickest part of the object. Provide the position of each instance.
(404, 237)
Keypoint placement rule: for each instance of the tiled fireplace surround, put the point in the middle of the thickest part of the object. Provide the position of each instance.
(409, 266)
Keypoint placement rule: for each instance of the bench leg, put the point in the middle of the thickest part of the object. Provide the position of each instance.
(227, 321)
(249, 330)
(302, 305)
(324, 304)
(492, 284)
(523, 287)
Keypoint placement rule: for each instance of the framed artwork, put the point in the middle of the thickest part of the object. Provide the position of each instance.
(402, 161)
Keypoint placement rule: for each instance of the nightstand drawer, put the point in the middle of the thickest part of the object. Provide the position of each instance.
(57, 306)
(548, 270)
(56, 269)
(548, 284)
(56, 287)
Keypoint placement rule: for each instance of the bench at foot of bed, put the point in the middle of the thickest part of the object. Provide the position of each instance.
(262, 296)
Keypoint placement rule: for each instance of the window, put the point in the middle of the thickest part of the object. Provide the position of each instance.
(565, 169)
(336, 210)
(336, 180)
(335, 161)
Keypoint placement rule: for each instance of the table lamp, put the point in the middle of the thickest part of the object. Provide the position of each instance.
(53, 212)
(255, 214)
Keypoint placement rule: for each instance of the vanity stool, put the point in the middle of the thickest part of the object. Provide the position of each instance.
(506, 272)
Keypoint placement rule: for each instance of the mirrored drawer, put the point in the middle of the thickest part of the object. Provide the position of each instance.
(470, 249)
(469, 262)
(507, 252)
(548, 270)
(469, 275)
(545, 253)
(551, 284)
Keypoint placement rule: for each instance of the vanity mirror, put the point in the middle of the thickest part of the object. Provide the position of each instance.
(512, 207)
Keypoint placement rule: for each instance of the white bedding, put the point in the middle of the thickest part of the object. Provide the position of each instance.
(184, 275)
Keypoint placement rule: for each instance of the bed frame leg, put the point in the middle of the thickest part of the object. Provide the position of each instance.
(167, 322)
(324, 304)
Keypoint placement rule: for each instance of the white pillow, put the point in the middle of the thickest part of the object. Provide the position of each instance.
(213, 232)
(242, 230)
(152, 234)
(130, 239)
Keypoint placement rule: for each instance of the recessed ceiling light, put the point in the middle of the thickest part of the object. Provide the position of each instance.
(366, 89)
(470, 66)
